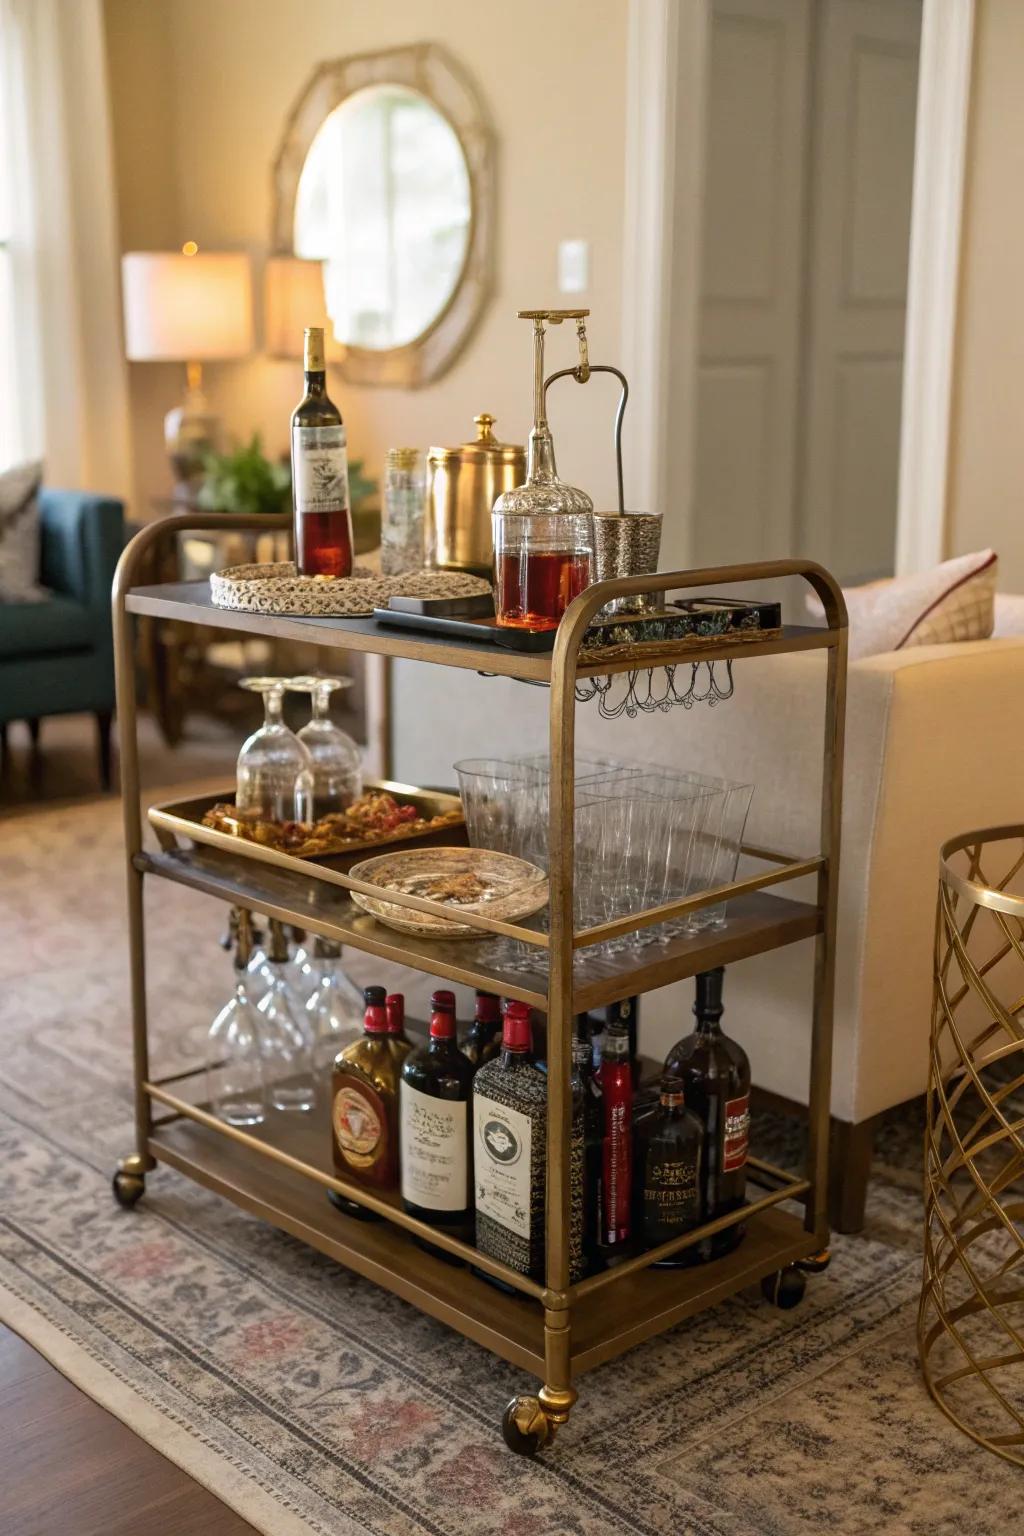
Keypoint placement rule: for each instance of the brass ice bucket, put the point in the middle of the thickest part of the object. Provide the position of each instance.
(462, 486)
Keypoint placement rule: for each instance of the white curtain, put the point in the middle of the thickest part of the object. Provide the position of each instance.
(63, 381)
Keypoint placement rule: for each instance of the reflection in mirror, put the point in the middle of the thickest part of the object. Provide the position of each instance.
(384, 202)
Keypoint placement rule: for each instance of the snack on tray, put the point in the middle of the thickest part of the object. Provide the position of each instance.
(375, 817)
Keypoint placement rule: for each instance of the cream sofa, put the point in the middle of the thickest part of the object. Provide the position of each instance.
(934, 746)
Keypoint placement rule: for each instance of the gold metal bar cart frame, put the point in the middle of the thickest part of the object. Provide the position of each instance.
(556, 1330)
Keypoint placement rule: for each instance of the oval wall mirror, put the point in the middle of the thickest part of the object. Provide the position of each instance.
(385, 176)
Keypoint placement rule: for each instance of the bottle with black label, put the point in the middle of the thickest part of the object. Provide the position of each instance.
(667, 1160)
(364, 1108)
(323, 522)
(716, 1082)
(510, 1155)
(434, 1098)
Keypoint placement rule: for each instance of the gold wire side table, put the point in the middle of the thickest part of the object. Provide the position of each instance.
(971, 1317)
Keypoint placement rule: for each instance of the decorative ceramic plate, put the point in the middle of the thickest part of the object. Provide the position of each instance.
(465, 879)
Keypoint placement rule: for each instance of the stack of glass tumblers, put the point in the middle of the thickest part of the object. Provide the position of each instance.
(644, 835)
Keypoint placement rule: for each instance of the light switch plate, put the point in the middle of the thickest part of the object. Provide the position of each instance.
(573, 266)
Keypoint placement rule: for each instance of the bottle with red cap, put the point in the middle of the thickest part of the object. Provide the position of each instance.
(510, 1103)
(401, 1045)
(483, 1037)
(437, 1082)
(364, 1107)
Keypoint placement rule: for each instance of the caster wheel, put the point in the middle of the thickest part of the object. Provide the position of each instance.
(816, 1263)
(785, 1288)
(525, 1426)
(128, 1188)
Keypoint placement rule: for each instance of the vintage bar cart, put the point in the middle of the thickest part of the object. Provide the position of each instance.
(280, 1170)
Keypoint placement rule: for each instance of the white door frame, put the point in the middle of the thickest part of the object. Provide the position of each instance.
(665, 74)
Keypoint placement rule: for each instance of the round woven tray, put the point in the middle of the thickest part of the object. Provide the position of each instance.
(277, 589)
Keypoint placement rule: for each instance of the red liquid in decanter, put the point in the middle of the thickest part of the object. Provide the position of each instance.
(534, 590)
(323, 543)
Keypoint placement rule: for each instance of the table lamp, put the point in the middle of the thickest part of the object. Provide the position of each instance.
(190, 308)
(293, 298)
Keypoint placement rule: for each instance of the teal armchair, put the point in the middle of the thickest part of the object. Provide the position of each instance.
(57, 657)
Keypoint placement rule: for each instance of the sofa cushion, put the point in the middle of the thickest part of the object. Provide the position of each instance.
(953, 601)
(19, 534)
(36, 629)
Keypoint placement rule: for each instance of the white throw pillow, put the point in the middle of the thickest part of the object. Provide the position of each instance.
(19, 535)
(953, 601)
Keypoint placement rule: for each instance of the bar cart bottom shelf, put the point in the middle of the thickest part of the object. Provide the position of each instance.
(604, 1324)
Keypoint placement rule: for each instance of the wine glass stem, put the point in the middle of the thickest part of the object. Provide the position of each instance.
(273, 706)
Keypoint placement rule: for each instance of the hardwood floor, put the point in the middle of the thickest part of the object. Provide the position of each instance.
(69, 1468)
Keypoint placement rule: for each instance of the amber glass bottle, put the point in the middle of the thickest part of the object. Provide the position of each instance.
(364, 1106)
(436, 1165)
(323, 522)
(716, 1082)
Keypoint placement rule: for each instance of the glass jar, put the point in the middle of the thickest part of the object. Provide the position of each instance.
(402, 526)
(543, 530)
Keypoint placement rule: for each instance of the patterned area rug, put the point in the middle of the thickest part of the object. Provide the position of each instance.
(312, 1401)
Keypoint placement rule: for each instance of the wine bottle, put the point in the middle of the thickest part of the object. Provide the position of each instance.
(394, 1012)
(364, 1108)
(668, 1150)
(437, 1083)
(483, 1037)
(587, 1087)
(616, 1079)
(716, 1081)
(323, 522)
(510, 1155)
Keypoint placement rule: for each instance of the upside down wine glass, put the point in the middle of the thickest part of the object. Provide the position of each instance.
(275, 770)
(336, 761)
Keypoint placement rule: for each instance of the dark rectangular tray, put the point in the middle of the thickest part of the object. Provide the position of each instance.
(485, 631)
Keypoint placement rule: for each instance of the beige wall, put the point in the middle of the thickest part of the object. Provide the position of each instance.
(201, 89)
(986, 483)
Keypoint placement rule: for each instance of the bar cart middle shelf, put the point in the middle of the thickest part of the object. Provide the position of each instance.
(280, 1171)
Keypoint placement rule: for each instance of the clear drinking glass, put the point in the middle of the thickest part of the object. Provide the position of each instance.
(275, 772)
(336, 760)
(334, 1010)
(497, 802)
(286, 1041)
(234, 1063)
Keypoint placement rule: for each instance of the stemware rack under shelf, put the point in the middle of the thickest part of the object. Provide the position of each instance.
(279, 1172)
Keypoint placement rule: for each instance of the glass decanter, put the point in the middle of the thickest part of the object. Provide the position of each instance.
(543, 530)
(275, 771)
(335, 1008)
(234, 1065)
(335, 757)
(287, 1045)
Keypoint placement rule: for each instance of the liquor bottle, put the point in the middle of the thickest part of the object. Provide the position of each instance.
(483, 1037)
(626, 1012)
(364, 1108)
(588, 1088)
(436, 1087)
(668, 1153)
(716, 1081)
(323, 523)
(616, 1080)
(394, 1010)
(510, 1155)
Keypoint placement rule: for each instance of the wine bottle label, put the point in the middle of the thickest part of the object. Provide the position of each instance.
(503, 1161)
(736, 1134)
(617, 1173)
(671, 1195)
(433, 1151)
(319, 469)
(359, 1118)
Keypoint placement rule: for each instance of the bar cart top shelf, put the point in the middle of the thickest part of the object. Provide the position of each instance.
(190, 602)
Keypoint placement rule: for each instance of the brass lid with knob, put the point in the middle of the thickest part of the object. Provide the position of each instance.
(463, 484)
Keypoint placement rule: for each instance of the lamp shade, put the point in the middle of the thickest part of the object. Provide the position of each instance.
(186, 309)
(293, 298)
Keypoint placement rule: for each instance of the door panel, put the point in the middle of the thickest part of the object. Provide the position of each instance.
(749, 353)
(859, 240)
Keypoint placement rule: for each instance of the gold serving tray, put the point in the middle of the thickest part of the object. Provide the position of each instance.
(180, 822)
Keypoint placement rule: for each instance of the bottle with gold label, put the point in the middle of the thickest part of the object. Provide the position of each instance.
(364, 1107)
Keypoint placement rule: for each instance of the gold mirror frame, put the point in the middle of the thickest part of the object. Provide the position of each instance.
(430, 70)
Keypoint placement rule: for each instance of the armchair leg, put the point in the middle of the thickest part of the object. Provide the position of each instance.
(103, 720)
(849, 1170)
